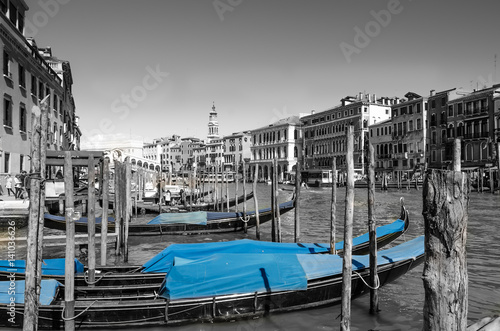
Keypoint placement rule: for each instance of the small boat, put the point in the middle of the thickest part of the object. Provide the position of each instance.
(154, 270)
(219, 288)
(180, 223)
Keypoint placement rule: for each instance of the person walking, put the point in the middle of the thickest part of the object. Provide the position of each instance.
(18, 187)
(8, 185)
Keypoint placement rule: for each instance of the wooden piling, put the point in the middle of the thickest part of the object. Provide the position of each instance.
(227, 191)
(345, 322)
(457, 160)
(276, 201)
(216, 187)
(128, 206)
(273, 201)
(297, 202)
(69, 266)
(91, 221)
(118, 207)
(236, 187)
(35, 220)
(245, 224)
(256, 202)
(104, 218)
(498, 166)
(333, 207)
(445, 211)
(374, 300)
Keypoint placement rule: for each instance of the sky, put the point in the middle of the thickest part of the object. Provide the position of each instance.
(153, 68)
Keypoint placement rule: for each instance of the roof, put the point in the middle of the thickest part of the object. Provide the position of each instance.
(291, 120)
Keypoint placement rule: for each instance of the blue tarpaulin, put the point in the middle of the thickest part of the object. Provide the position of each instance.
(318, 266)
(98, 220)
(162, 262)
(53, 267)
(223, 215)
(196, 217)
(222, 274)
(9, 290)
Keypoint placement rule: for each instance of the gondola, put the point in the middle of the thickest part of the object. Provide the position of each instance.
(153, 271)
(224, 287)
(179, 223)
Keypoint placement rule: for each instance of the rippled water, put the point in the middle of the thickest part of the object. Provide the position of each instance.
(401, 302)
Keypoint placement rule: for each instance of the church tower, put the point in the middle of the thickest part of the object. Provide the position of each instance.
(213, 125)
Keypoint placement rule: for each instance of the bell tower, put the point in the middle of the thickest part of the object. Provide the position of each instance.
(213, 125)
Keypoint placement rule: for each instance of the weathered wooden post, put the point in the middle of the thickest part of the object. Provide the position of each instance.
(273, 201)
(276, 201)
(498, 166)
(333, 207)
(245, 223)
(104, 218)
(69, 266)
(118, 206)
(345, 322)
(35, 221)
(91, 221)
(222, 190)
(297, 202)
(227, 190)
(128, 205)
(236, 187)
(445, 211)
(256, 202)
(372, 226)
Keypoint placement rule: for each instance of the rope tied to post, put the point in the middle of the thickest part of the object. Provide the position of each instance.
(377, 281)
(75, 317)
(244, 219)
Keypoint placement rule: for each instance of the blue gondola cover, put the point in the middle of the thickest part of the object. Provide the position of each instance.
(53, 267)
(15, 291)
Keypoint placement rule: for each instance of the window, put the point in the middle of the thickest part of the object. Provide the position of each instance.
(3, 6)
(443, 101)
(418, 108)
(22, 117)
(21, 163)
(459, 109)
(7, 63)
(6, 164)
(433, 104)
(410, 125)
(410, 109)
(7, 111)
(450, 110)
(419, 124)
(22, 76)
(13, 13)
(33, 85)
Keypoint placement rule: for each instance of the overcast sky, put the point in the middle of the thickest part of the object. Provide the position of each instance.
(153, 68)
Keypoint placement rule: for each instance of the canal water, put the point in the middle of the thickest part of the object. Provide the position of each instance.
(401, 302)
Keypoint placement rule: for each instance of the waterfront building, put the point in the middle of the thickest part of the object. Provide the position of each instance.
(438, 126)
(282, 141)
(29, 75)
(409, 134)
(381, 139)
(473, 118)
(236, 149)
(325, 132)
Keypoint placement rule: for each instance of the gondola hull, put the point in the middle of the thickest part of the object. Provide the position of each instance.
(138, 313)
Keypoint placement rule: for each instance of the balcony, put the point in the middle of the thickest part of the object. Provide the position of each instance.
(476, 135)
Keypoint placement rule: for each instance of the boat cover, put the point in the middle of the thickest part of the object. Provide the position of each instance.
(221, 274)
(54, 267)
(225, 274)
(162, 262)
(195, 217)
(318, 266)
(98, 220)
(223, 215)
(15, 290)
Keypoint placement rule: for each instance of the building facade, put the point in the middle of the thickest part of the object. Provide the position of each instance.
(282, 141)
(325, 132)
(29, 75)
(236, 150)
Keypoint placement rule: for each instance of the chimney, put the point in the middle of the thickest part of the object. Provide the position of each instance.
(313, 112)
(432, 92)
(360, 96)
(374, 98)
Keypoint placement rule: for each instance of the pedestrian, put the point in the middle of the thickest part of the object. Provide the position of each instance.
(8, 185)
(18, 187)
(168, 197)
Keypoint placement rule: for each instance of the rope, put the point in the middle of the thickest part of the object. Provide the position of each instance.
(75, 317)
(377, 280)
(244, 219)
(85, 277)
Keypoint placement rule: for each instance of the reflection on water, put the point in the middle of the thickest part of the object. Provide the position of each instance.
(401, 302)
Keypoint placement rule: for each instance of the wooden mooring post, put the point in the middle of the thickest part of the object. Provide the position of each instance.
(333, 207)
(69, 266)
(244, 171)
(127, 183)
(273, 200)
(117, 206)
(445, 211)
(36, 219)
(256, 202)
(345, 322)
(91, 221)
(105, 202)
(372, 226)
(297, 202)
(276, 201)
